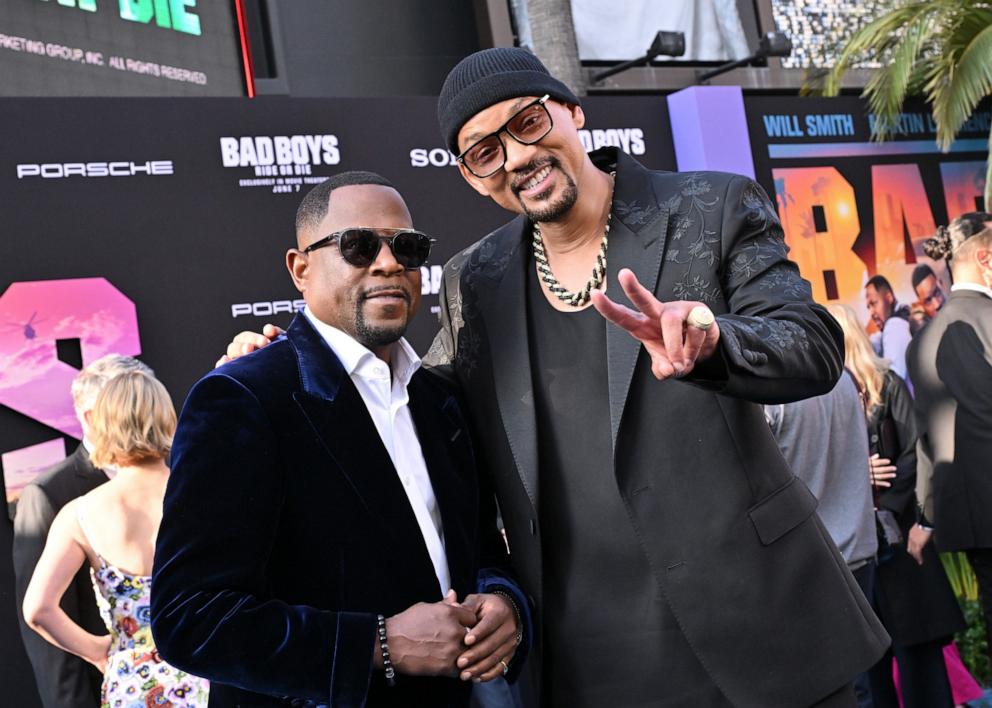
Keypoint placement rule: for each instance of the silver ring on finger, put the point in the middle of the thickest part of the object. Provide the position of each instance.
(506, 668)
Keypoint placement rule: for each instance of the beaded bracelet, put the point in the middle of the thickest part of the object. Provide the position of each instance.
(387, 665)
(516, 611)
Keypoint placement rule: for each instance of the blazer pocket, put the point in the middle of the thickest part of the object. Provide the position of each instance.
(782, 510)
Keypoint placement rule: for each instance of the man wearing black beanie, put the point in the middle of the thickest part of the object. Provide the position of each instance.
(671, 556)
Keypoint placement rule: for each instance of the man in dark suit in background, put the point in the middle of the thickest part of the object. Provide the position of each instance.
(673, 556)
(64, 680)
(950, 362)
(323, 513)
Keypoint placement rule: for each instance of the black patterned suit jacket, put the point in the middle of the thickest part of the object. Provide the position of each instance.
(748, 570)
(950, 363)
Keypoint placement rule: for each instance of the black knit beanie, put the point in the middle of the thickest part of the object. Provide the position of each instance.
(488, 77)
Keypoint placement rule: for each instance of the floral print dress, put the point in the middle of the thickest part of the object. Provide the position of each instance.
(136, 676)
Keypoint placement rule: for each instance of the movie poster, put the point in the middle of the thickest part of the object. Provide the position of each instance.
(852, 208)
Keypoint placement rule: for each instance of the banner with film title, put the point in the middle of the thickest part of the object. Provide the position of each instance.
(159, 227)
(852, 208)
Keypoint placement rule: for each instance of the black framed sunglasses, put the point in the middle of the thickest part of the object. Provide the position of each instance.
(359, 246)
(486, 156)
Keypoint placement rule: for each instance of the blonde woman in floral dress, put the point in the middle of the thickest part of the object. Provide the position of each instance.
(113, 528)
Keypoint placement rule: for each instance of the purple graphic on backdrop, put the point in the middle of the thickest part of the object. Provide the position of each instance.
(20, 467)
(35, 316)
(709, 129)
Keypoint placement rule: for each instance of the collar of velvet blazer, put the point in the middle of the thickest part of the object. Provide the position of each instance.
(321, 372)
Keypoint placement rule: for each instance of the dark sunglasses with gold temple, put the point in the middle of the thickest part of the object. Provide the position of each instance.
(360, 245)
(487, 155)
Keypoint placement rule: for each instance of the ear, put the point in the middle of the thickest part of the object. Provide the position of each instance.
(578, 116)
(984, 258)
(477, 184)
(298, 264)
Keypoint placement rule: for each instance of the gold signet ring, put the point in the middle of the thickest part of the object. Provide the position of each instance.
(700, 317)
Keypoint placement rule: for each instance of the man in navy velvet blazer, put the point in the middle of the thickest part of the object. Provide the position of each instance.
(324, 489)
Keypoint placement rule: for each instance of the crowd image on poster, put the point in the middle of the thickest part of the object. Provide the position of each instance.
(853, 208)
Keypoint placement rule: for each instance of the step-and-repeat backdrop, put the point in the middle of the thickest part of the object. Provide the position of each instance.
(158, 227)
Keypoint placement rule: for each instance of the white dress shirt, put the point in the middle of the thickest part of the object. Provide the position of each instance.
(895, 340)
(386, 398)
(109, 470)
(986, 291)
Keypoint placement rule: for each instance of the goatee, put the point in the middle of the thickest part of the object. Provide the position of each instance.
(548, 211)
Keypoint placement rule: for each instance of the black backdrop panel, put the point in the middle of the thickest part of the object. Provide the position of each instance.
(120, 48)
(193, 229)
(196, 243)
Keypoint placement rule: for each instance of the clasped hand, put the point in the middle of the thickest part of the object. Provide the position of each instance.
(882, 471)
(468, 639)
(472, 639)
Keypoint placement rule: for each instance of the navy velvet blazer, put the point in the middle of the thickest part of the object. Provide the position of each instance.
(286, 530)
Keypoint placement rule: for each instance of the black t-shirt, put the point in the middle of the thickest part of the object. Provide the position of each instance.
(609, 636)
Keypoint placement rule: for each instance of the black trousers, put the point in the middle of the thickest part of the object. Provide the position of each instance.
(981, 563)
(922, 671)
(922, 677)
(866, 578)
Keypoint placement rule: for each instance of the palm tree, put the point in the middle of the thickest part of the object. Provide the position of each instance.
(553, 35)
(941, 49)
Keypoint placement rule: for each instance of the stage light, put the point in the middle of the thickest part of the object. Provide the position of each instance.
(671, 44)
(773, 44)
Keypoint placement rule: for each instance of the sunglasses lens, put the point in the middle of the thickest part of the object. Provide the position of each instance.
(359, 247)
(411, 249)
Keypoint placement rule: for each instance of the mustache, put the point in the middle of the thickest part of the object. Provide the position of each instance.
(401, 291)
(529, 169)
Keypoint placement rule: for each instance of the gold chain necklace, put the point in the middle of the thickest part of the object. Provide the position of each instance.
(580, 298)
